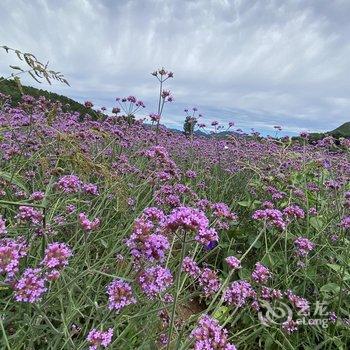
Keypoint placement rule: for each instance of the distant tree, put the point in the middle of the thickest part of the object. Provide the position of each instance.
(191, 121)
(189, 124)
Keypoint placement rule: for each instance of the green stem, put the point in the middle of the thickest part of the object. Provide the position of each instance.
(177, 291)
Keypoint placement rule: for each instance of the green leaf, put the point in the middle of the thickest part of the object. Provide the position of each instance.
(316, 223)
(339, 269)
(17, 68)
(14, 180)
(257, 244)
(34, 77)
(244, 203)
(330, 287)
(220, 312)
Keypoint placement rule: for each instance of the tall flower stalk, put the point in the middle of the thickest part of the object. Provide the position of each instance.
(164, 95)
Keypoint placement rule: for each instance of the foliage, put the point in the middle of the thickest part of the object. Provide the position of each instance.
(9, 88)
(37, 70)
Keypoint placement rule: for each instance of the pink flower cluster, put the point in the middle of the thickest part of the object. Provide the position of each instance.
(119, 295)
(304, 246)
(145, 242)
(190, 219)
(72, 184)
(30, 287)
(29, 214)
(90, 189)
(272, 216)
(224, 216)
(69, 184)
(209, 281)
(294, 211)
(99, 338)
(210, 335)
(301, 304)
(56, 257)
(261, 273)
(270, 294)
(190, 267)
(88, 225)
(238, 293)
(155, 280)
(233, 262)
(207, 278)
(11, 251)
(37, 196)
(345, 222)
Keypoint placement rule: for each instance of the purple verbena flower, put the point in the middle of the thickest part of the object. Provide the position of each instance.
(209, 281)
(119, 295)
(233, 262)
(98, 338)
(30, 287)
(209, 335)
(88, 225)
(238, 293)
(190, 266)
(69, 184)
(56, 255)
(155, 280)
(261, 273)
(29, 214)
(11, 251)
(3, 230)
(304, 246)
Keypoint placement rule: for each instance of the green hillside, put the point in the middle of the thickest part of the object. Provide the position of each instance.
(9, 87)
(343, 130)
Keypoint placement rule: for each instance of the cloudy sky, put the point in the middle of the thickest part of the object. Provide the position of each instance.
(258, 63)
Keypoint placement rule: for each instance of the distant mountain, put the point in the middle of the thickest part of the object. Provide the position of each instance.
(343, 130)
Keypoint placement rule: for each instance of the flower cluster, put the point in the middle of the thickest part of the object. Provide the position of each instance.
(294, 211)
(301, 304)
(11, 251)
(233, 262)
(119, 295)
(97, 338)
(224, 216)
(345, 222)
(29, 214)
(3, 230)
(56, 257)
(30, 287)
(261, 273)
(69, 184)
(155, 280)
(272, 216)
(190, 267)
(209, 281)
(303, 246)
(238, 293)
(90, 189)
(190, 219)
(88, 225)
(210, 335)
(37, 196)
(143, 243)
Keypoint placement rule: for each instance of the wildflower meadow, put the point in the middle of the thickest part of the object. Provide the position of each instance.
(118, 233)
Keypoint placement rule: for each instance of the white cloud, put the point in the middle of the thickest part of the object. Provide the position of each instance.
(259, 63)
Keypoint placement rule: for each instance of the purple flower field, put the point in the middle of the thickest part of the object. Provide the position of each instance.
(119, 233)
